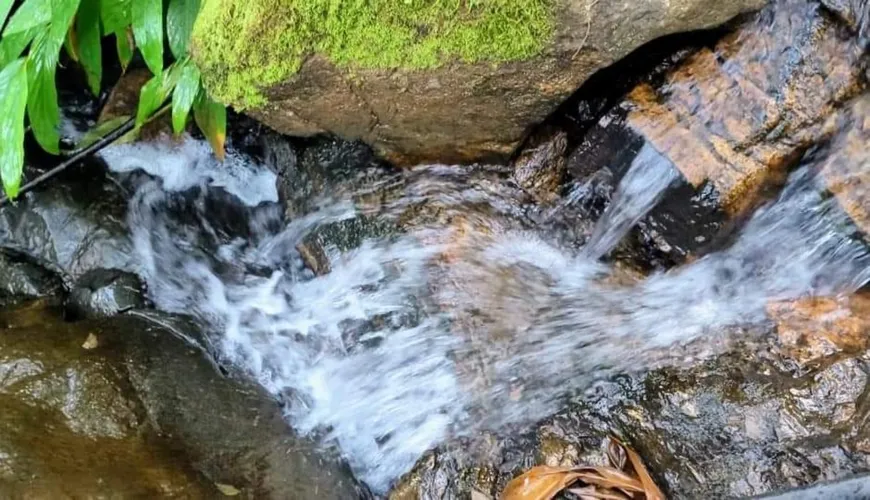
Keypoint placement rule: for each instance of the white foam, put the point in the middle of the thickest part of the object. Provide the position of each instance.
(503, 323)
(189, 163)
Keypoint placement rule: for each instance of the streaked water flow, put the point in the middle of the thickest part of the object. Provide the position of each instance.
(646, 181)
(469, 318)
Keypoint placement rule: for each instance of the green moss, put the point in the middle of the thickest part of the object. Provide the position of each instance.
(243, 46)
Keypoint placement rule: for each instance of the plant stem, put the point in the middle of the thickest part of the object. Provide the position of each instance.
(83, 153)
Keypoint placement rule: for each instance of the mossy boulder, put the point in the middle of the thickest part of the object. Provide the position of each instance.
(424, 80)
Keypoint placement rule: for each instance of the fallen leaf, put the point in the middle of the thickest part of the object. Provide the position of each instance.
(539, 483)
(627, 478)
(591, 492)
(611, 478)
(90, 342)
(227, 489)
(649, 486)
(616, 453)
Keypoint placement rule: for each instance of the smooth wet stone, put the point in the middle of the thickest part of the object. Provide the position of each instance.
(812, 329)
(23, 280)
(104, 293)
(123, 406)
(70, 425)
(70, 228)
(732, 119)
(742, 424)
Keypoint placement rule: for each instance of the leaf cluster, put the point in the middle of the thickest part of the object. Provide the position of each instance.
(36, 31)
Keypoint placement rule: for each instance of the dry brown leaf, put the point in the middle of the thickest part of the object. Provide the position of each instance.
(616, 454)
(601, 483)
(592, 492)
(649, 486)
(612, 478)
(539, 483)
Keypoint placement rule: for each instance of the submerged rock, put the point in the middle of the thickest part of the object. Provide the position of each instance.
(125, 407)
(424, 82)
(744, 424)
(71, 426)
(541, 166)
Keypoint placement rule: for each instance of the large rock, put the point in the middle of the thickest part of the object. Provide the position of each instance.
(124, 408)
(70, 425)
(421, 80)
(734, 119)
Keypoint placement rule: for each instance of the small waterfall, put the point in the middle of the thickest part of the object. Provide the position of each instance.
(467, 320)
(646, 181)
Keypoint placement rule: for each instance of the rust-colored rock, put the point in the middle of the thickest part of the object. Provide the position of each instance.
(739, 115)
(845, 171)
(813, 328)
(733, 120)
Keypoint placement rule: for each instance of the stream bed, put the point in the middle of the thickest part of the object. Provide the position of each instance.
(685, 271)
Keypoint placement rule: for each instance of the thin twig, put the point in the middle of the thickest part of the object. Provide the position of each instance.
(83, 153)
(589, 7)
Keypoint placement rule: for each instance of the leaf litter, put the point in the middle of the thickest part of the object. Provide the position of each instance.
(626, 478)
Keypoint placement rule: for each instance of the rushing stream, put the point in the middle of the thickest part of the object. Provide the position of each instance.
(465, 319)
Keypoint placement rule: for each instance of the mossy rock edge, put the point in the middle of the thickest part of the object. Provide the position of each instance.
(420, 80)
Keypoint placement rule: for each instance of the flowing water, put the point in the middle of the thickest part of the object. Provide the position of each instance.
(469, 317)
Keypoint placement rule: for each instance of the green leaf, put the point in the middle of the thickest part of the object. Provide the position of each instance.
(5, 7)
(12, 46)
(184, 96)
(115, 15)
(211, 118)
(42, 106)
(148, 31)
(179, 24)
(89, 47)
(71, 44)
(154, 93)
(13, 96)
(125, 44)
(100, 130)
(31, 14)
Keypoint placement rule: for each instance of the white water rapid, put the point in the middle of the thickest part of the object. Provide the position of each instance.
(469, 320)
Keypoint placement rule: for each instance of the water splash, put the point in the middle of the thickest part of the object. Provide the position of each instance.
(643, 186)
(469, 318)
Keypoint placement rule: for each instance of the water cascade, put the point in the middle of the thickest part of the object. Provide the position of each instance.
(469, 320)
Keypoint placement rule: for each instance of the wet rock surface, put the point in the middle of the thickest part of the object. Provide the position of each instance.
(72, 427)
(124, 408)
(732, 119)
(759, 420)
(71, 228)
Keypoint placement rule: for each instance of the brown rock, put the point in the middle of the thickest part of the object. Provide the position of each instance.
(738, 116)
(813, 328)
(460, 111)
(846, 169)
(733, 120)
